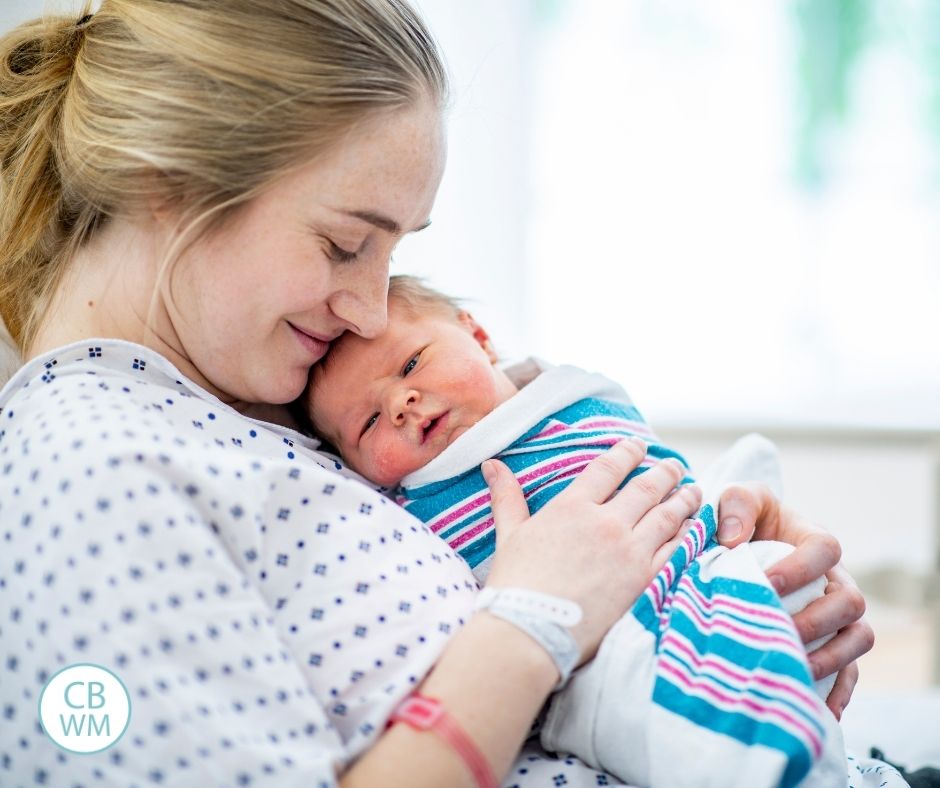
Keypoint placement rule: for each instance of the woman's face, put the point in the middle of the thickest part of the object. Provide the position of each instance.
(256, 303)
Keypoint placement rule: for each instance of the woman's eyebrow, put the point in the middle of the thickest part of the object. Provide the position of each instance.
(382, 222)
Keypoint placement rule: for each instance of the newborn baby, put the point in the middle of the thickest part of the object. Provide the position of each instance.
(705, 681)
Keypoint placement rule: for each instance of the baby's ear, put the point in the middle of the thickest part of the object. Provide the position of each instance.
(479, 334)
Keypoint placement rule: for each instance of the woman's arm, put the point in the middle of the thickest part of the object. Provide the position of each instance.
(751, 510)
(492, 678)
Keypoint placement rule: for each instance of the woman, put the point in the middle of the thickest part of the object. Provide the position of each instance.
(197, 198)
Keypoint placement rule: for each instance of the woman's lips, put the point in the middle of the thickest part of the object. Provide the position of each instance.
(316, 347)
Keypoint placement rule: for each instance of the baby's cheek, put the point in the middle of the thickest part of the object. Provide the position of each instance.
(392, 461)
(477, 384)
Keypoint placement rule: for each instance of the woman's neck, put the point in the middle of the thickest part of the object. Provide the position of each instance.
(112, 289)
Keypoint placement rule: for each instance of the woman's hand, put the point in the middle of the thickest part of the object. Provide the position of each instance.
(592, 544)
(751, 510)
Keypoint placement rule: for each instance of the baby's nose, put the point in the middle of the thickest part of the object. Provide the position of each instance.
(404, 404)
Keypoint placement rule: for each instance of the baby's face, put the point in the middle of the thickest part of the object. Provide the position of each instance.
(393, 403)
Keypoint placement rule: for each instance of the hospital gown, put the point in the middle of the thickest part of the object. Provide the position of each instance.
(264, 608)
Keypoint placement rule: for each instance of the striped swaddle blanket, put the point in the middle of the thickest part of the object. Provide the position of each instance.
(726, 656)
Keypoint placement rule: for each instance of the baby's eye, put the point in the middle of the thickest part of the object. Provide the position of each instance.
(369, 422)
(412, 363)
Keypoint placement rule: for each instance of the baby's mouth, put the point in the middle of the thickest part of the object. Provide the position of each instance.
(430, 427)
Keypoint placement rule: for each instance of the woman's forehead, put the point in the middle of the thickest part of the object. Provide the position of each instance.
(384, 173)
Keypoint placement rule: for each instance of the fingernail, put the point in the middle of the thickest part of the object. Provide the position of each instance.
(488, 469)
(694, 490)
(777, 582)
(637, 441)
(730, 528)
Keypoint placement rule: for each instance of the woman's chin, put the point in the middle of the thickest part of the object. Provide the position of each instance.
(280, 391)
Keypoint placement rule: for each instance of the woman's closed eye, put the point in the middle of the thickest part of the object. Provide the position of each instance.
(339, 255)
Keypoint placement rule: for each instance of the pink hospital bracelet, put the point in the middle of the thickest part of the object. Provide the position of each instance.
(427, 714)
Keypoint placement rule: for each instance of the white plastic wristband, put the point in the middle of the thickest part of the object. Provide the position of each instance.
(542, 617)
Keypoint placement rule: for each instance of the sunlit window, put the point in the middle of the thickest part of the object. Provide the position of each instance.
(735, 205)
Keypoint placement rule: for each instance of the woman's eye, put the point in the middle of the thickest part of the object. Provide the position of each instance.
(340, 255)
(371, 420)
(412, 363)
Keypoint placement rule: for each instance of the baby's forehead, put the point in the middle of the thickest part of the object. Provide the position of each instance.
(339, 362)
(406, 310)
(404, 320)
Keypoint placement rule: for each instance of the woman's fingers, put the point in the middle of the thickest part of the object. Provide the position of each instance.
(649, 488)
(661, 525)
(506, 498)
(840, 652)
(840, 610)
(741, 508)
(841, 692)
(816, 554)
(839, 607)
(601, 477)
(665, 551)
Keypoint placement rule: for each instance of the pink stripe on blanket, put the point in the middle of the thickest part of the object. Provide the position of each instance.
(554, 429)
(629, 426)
(471, 533)
(704, 664)
(484, 498)
(793, 723)
(564, 462)
(484, 525)
(575, 471)
(480, 500)
(720, 602)
(658, 588)
(713, 625)
(574, 439)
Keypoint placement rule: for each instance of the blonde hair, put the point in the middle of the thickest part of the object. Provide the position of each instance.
(200, 104)
(413, 293)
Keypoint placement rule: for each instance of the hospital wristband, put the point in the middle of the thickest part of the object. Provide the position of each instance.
(542, 617)
(427, 714)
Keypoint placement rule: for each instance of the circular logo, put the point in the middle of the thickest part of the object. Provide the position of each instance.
(84, 708)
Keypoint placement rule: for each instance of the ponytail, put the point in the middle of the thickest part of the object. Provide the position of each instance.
(37, 60)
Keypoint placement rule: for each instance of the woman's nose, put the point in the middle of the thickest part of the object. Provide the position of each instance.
(362, 301)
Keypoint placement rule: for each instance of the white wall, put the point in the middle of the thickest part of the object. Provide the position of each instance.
(476, 245)
(12, 12)
(674, 243)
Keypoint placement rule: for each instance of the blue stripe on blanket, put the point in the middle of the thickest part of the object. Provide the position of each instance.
(740, 727)
(733, 667)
